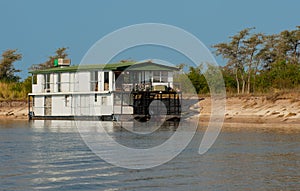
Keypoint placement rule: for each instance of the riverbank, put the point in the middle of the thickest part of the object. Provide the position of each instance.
(275, 111)
(13, 110)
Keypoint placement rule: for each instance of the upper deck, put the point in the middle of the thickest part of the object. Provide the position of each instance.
(124, 76)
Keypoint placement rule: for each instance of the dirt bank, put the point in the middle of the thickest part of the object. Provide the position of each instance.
(257, 111)
(11, 110)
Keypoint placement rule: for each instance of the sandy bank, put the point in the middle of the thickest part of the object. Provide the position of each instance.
(12, 110)
(257, 111)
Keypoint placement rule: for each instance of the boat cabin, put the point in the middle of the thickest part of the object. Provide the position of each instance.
(103, 91)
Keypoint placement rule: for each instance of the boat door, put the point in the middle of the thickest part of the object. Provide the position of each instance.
(48, 106)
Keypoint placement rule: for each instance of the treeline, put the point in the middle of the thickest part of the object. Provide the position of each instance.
(11, 88)
(256, 63)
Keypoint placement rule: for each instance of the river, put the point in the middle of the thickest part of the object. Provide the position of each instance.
(50, 155)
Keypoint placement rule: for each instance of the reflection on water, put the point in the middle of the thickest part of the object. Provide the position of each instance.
(50, 155)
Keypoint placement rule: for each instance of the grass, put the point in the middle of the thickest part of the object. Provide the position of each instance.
(12, 91)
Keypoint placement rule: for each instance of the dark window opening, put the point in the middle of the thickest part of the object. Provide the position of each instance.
(66, 100)
(47, 82)
(106, 81)
(34, 79)
(59, 82)
(94, 81)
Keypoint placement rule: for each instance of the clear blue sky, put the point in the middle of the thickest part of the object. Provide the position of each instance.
(37, 28)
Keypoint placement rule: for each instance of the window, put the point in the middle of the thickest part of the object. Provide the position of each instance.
(47, 82)
(59, 82)
(94, 81)
(156, 76)
(164, 76)
(106, 81)
(34, 79)
(67, 100)
(160, 76)
(126, 77)
(150, 76)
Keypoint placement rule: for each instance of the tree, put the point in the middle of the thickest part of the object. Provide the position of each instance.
(252, 60)
(229, 79)
(234, 52)
(59, 53)
(289, 45)
(181, 66)
(214, 79)
(243, 54)
(268, 53)
(27, 84)
(281, 47)
(197, 79)
(7, 69)
(259, 61)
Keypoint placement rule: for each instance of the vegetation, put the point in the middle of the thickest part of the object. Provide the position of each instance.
(260, 63)
(7, 69)
(59, 53)
(13, 91)
(10, 86)
(255, 63)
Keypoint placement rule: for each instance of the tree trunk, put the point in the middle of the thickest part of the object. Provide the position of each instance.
(254, 80)
(237, 82)
(243, 85)
(249, 82)
(250, 64)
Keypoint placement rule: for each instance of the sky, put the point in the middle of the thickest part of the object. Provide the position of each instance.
(37, 28)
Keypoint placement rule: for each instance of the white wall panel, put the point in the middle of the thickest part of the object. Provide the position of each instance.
(38, 105)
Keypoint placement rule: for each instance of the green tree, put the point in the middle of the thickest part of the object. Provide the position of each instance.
(251, 49)
(27, 84)
(243, 55)
(181, 66)
(284, 75)
(59, 53)
(234, 53)
(229, 79)
(280, 56)
(268, 53)
(214, 80)
(198, 80)
(288, 45)
(260, 61)
(7, 69)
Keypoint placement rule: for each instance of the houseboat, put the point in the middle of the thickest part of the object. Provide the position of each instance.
(104, 91)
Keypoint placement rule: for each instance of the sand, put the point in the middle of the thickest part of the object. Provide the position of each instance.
(256, 112)
(13, 110)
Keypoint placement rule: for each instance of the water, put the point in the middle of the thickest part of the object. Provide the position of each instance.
(52, 156)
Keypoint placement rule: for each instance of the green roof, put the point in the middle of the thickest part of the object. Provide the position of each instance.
(121, 66)
(149, 66)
